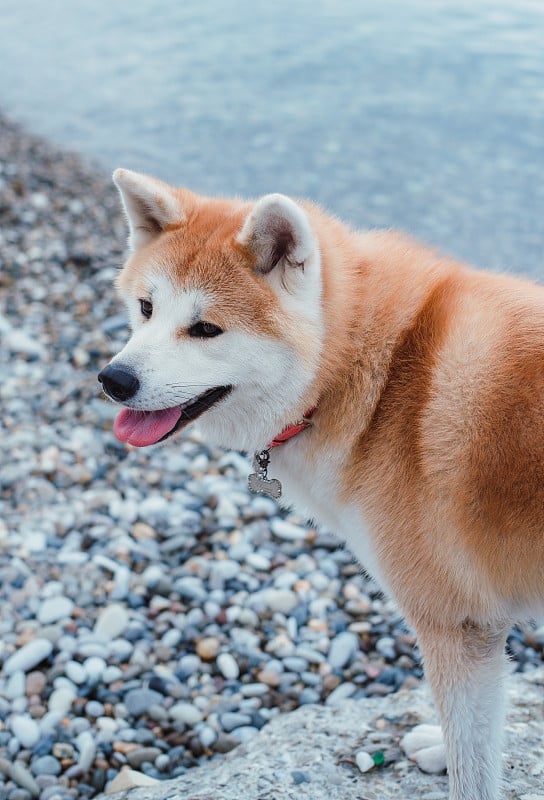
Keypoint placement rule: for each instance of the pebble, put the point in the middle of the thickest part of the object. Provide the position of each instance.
(111, 622)
(76, 672)
(343, 648)
(227, 666)
(233, 719)
(35, 683)
(139, 701)
(288, 532)
(208, 648)
(26, 730)
(185, 712)
(60, 700)
(342, 692)
(29, 656)
(364, 761)
(54, 609)
(15, 686)
(22, 777)
(46, 765)
(94, 668)
(282, 600)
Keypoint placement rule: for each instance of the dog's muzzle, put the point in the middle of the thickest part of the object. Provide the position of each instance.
(119, 384)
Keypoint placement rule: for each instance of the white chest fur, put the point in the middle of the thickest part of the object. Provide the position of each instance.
(311, 488)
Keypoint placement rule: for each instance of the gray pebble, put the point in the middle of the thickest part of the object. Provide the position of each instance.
(138, 701)
(342, 692)
(343, 648)
(233, 719)
(46, 765)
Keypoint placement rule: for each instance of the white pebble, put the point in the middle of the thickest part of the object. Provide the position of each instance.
(94, 667)
(15, 685)
(341, 693)
(108, 727)
(207, 736)
(185, 712)
(60, 700)
(258, 561)
(283, 600)
(287, 531)
(228, 666)
(364, 761)
(111, 622)
(28, 656)
(343, 648)
(76, 672)
(87, 750)
(54, 609)
(111, 674)
(25, 729)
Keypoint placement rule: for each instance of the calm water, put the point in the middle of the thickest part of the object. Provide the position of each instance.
(425, 115)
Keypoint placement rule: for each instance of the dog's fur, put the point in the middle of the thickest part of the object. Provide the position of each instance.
(426, 449)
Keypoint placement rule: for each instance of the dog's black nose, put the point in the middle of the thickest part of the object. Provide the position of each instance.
(119, 384)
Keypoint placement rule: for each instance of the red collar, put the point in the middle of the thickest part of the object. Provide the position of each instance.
(293, 430)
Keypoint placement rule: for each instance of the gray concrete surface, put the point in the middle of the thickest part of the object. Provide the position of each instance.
(308, 754)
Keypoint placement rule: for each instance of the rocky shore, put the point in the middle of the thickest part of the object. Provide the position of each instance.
(153, 614)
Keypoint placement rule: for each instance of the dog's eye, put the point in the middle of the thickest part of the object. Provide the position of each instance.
(204, 330)
(146, 307)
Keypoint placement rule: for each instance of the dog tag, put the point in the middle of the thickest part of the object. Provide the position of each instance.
(259, 482)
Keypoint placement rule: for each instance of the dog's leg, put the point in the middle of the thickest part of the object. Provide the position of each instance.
(465, 667)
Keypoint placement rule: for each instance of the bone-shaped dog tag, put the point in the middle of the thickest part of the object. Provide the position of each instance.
(259, 482)
(268, 486)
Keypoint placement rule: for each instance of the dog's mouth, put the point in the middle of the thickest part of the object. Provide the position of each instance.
(141, 428)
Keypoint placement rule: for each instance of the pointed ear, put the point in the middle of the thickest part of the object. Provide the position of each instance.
(151, 206)
(278, 231)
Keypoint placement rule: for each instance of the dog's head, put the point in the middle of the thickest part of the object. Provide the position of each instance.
(223, 298)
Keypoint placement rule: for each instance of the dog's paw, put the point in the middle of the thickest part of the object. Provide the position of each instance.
(425, 746)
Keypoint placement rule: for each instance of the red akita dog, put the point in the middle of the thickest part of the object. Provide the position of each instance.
(424, 381)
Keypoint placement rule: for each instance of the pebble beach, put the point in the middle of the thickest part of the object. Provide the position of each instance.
(153, 613)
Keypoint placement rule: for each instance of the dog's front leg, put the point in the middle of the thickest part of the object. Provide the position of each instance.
(465, 667)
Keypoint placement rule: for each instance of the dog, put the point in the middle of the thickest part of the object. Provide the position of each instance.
(388, 392)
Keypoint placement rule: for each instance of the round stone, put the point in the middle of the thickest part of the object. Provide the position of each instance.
(228, 666)
(185, 712)
(46, 765)
(35, 683)
(139, 701)
(94, 667)
(54, 609)
(76, 672)
(26, 730)
(364, 761)
(208, 648)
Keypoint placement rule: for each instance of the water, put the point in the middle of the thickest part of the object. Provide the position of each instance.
(425, 115)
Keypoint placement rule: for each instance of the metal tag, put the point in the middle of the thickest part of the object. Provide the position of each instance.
(259, 482)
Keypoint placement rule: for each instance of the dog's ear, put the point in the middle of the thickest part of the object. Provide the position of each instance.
(278, 232)
(151, 206)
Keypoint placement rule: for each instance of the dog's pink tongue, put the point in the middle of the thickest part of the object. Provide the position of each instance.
(141, 428)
